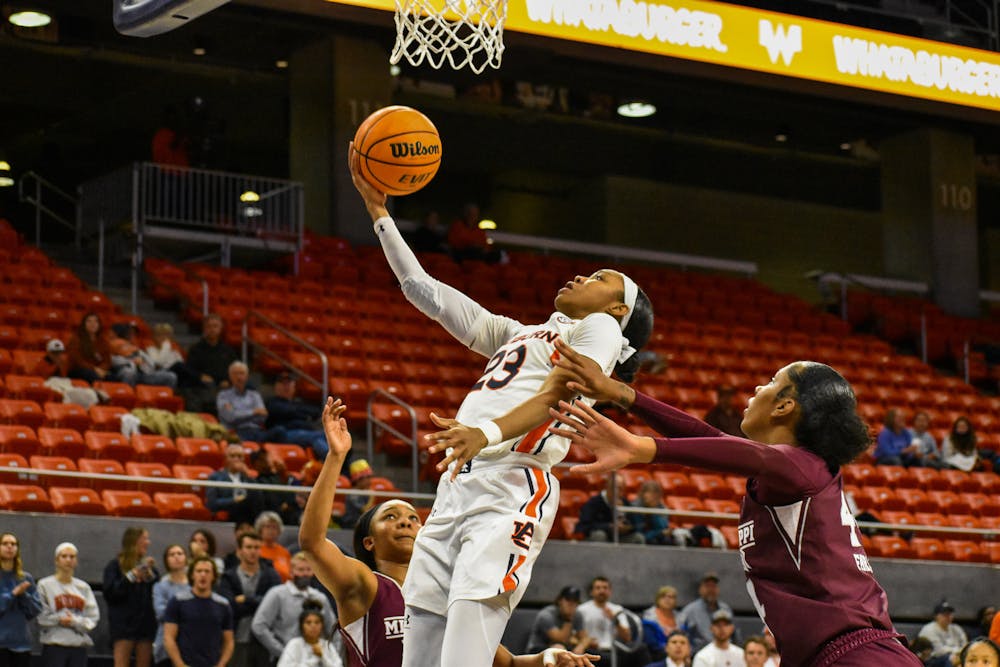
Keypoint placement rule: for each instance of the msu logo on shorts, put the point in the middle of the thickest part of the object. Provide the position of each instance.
(394, 626)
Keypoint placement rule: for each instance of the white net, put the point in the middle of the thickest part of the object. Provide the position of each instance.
(462, 33)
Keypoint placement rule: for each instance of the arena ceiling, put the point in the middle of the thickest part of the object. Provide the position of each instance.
(87, 96)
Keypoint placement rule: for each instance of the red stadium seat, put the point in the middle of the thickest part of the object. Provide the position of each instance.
(27, 413)
(293, 456)
(917, 500)
(897, 518)
(186, 506)
(158, 470)
(104, 445)
(102, 467)
(153, 396)
(683, 503)
(107, 417)
(982, 504)
(68, 500)
(884, 498)
(18, 440)
(722, 507)
(891, 546)
(863, 474)
(13, 461)
(895, 476)
(155, 448)
(930, 548)
(119, 394)
(738, 485)
(61, 442)
(130, 504)
(967, 551)
(192, 472)
(24, 498)
(989, 482)
(675, 483)
(570, 501)
(353, 392)
(949, 502)
(30, 388)
(712, 486)
(62, 463)
(634, 478)
(929, 479)
(25, 361)
(66, 415)
(200, 452)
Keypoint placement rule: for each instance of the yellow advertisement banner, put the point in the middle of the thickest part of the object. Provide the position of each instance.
(765, 41)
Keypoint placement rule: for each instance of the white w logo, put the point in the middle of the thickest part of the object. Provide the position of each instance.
(778, 41)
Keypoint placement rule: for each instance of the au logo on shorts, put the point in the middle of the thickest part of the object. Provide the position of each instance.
(523, 531)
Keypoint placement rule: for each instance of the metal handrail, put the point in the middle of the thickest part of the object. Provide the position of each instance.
(36, 201)
(323, 383)
(199, 483)
(373, 421)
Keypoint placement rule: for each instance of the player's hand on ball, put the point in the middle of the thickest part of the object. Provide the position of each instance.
(589, 380)
(374, 200)
(465, 442)
(612, 445)
(337, 435)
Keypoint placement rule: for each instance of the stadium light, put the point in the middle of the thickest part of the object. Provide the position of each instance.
(6, 179)
(487, 224)
(636, 109)
(28, 18)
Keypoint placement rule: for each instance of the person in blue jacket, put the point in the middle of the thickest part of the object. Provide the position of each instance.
(19, 603)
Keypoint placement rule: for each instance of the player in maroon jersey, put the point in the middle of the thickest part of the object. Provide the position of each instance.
(370, 607)
(807, 572)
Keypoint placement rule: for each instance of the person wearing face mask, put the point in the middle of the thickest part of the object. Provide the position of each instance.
(276, 621)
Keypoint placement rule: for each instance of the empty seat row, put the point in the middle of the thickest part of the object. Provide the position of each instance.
(70, 500)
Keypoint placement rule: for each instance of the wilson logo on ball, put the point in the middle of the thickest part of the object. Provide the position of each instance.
(400, 150)
(414, 149)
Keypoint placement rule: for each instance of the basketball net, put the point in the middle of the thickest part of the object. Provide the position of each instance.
(463, 33)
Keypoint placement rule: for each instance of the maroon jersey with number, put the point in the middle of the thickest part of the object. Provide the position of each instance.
(807, 572)
(376, 639)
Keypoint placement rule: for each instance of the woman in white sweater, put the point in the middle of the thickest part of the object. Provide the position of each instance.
(311, 648)
(69, 613)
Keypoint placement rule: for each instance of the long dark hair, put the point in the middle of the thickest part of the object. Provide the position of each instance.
(638, 331)
(828, 425)
(362, 530)
(128, 557)
(18, 565)
(88, 345)
(965, 443)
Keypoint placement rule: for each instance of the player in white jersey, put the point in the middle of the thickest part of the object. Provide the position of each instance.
(472, 560)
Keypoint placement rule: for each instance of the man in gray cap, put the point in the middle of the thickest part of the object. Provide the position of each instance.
(696, 617)
(560, 624)
(721, 652)
(947, 637)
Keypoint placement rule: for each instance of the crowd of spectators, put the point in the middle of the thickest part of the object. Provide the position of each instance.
(915, 446)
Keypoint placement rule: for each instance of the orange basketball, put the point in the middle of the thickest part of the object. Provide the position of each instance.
(400, 150)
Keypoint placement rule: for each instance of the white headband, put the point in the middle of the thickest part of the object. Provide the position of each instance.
(66, 545)
(631, 293)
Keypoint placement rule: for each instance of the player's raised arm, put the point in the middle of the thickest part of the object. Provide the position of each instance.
(350, 581)
(470, 323)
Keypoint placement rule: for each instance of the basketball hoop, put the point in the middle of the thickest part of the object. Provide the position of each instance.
(463, 33)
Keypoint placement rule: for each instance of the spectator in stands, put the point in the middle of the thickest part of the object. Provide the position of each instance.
(430, 235)
(69, 613)
(128, 591)
(245, 586)
(678, 651)
(198, 624)
(269, 526)
(604, 621)
(696, 617)
(209, 360)
(271, 470)
(560, 625)
(980, 652)
(659, 621)
(170, 145)
(310, 648)
(945, 635)
(721, 651)
(54, 366)
(241, 409)
(895, 442)
(755, 651)
(773, 659)
(20, 601)
(596, 516)
(203, 543)
(985, 616)
(276, 621)
(175, 562)
(467, 240)
(89, 352)
(724, 415)
(242, 505)
(654, 528)
(129, 363)
(959, 447)
(922, 648)
(927, 453)
(299, 419)
(354, 506)
(232, 559)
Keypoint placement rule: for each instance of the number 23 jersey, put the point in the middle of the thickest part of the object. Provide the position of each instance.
(520, 359)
